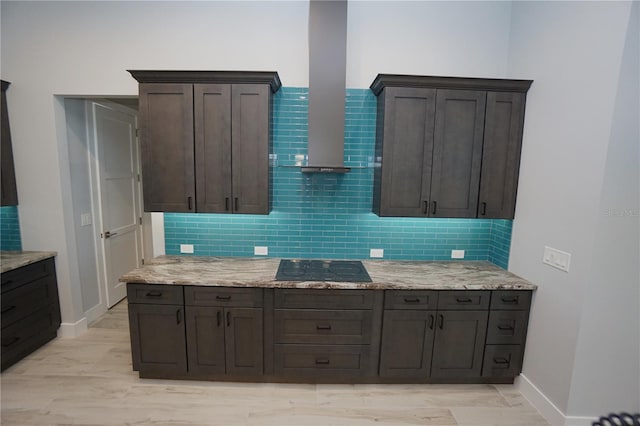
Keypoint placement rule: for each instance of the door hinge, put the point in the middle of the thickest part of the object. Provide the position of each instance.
(143, 261)
(137, 132)
(138, 177)
(140, 220)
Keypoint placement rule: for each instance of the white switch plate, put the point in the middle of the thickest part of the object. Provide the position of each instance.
(260, 251)
(556, 258)
(376, 253)
(85, 219)
(186, 248)
(457, 254)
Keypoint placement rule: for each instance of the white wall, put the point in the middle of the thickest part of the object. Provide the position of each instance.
(573, 52)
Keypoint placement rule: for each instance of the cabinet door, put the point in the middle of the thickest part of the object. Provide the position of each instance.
(250, 113)
(8, 181)
(457, 153)
(407, 148)
(166, 134)
(212, 113)
(501, 155)
(459, 344)
(243, 341)
(158, 343)
(407, 343)
(205, 339)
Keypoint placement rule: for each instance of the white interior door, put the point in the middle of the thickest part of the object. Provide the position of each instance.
(118, 176)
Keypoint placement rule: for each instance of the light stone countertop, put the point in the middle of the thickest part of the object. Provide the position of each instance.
(385, 274)
(10, 260)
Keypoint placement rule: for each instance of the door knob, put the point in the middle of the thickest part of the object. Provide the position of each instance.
(108, 234)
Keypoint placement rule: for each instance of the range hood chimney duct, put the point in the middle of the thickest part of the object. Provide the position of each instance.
(327, 84)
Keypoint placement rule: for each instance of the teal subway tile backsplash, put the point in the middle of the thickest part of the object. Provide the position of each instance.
(329, 215)
(10, 229)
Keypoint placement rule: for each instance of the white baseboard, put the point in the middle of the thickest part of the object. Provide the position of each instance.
(549, 411)
(70, 330)
(94, 313)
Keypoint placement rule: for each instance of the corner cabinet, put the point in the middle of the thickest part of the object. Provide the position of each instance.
(9, 192)
(206, 140)
(447, 147)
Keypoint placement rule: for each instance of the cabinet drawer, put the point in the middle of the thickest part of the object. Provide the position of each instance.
(323, 326)
(322, 360)
(155, 294)
(26, 274)
(464, 300)
(502, 361)
(324, 299)
(22, 301)
(223, 296)
(507, 327)
(514, 300)
(413, 300)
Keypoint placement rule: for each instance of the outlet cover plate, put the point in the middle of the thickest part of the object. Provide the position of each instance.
(260, 251)
(186, 248)
(557, 258)
(457, 254)
(376, 253)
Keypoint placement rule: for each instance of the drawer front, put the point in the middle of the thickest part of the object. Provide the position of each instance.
(321, 360)
(22, 301)
(223, 296)
(464, 299)
(511, 300)
(507, 327)
(502, 361)
(413, 300)
(20, 335)
(26, 274)
(323, 326)
(157, 294)
(323, 299)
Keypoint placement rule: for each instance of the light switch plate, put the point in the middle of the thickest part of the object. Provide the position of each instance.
(376, 253)
(457, 254)
(260, 251)
(186, 248)
(85, 219)
(556, 258)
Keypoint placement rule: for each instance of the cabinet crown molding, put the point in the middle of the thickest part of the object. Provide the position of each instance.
(464, 83)
(219, 77)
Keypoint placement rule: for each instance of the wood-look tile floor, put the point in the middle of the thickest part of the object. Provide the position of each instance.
(88, 381)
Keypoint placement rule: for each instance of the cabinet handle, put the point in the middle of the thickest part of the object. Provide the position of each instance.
(500, 360)
(7, 282)
(425, 207)
(228, 319)
(431, 320)
(323, 327)
(441, 318)
(223, 297)
(11, 342)
(460, 300)
(509, 300)
(235, 204)
(10, 308)
(433, 209)
(483, 209)
(219, 317)
(189, 202)
(505, 327)
(322, 361)
(226, 204)
(416, 300)
(179, 316)
(154, 294)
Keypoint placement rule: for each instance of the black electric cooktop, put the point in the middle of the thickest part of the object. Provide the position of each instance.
(322, 270)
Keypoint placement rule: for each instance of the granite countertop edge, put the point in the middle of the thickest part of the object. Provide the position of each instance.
(385, 275)
(11, 260)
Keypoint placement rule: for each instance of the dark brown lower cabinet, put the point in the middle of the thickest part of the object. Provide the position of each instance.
(158, 340)
(224, 340)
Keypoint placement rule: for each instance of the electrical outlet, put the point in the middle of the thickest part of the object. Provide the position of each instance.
(260, 251)
(556, 258)
(376, 253)
(457, 254)
(186, 248)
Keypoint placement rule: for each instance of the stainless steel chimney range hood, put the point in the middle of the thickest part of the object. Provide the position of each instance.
(327, 84)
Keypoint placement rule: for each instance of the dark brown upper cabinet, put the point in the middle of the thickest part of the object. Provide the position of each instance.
(205, 140)
(8, 179)
(447, 146)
